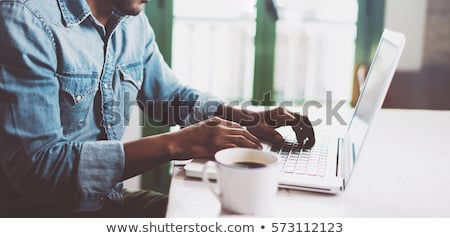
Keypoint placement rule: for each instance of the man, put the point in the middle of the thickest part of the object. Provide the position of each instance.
(68, 70)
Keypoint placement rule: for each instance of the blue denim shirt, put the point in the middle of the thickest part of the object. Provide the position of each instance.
(66, 87)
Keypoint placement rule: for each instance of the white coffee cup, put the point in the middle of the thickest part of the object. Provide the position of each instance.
(247, 180)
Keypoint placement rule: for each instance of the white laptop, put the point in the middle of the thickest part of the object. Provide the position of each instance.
(328, 165)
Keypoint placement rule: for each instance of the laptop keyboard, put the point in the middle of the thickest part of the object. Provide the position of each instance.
(311, 162)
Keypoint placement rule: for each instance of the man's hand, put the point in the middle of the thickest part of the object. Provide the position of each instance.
(207, 137)
(263, 124)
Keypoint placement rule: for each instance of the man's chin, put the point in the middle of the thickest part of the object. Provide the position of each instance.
(129, 7)
(131, 11)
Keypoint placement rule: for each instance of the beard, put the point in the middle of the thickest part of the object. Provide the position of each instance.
(129, 7)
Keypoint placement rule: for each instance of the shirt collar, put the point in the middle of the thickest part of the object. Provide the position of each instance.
(74, 11)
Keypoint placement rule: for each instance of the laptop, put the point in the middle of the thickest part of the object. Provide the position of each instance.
(328, 165)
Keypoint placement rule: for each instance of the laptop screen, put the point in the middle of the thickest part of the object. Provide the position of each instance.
(374, 89)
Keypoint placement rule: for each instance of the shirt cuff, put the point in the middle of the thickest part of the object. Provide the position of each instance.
(100, 169)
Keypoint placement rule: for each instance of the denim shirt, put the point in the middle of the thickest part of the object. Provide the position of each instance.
(66, 87)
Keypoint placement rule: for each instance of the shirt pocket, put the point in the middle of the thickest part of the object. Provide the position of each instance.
(77, 93)
(131, 79)
(131, 75)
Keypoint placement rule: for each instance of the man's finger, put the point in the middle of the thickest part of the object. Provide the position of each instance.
(246, 134)
(279, 117)
(267, 133)
(300, 136)
(243, 141)
(311, 138)
(216, 121)
(304, 131)
(290, 118)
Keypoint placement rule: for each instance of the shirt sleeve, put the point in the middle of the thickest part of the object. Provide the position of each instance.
(167, 100)
(39, 162)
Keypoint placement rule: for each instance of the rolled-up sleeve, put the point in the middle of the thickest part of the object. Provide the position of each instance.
(99, 170)
(168, 100)
(39, 162)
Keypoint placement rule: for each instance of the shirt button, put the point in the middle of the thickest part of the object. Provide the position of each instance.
(78, 98)
(109, 126)
(105, 85)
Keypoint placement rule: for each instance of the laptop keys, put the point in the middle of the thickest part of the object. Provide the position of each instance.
(311, 162)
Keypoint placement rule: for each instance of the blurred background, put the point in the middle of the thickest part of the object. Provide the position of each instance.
(296, 50)
(214, 47)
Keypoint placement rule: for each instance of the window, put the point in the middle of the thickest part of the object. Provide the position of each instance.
(213, 47)
(315, 49)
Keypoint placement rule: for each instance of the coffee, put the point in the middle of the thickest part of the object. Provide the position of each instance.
(248, 165)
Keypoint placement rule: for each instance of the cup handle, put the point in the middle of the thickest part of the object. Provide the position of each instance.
(205, 178)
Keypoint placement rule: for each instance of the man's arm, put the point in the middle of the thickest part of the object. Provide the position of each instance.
(41, 164)
(201, 140)
(167, 100)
